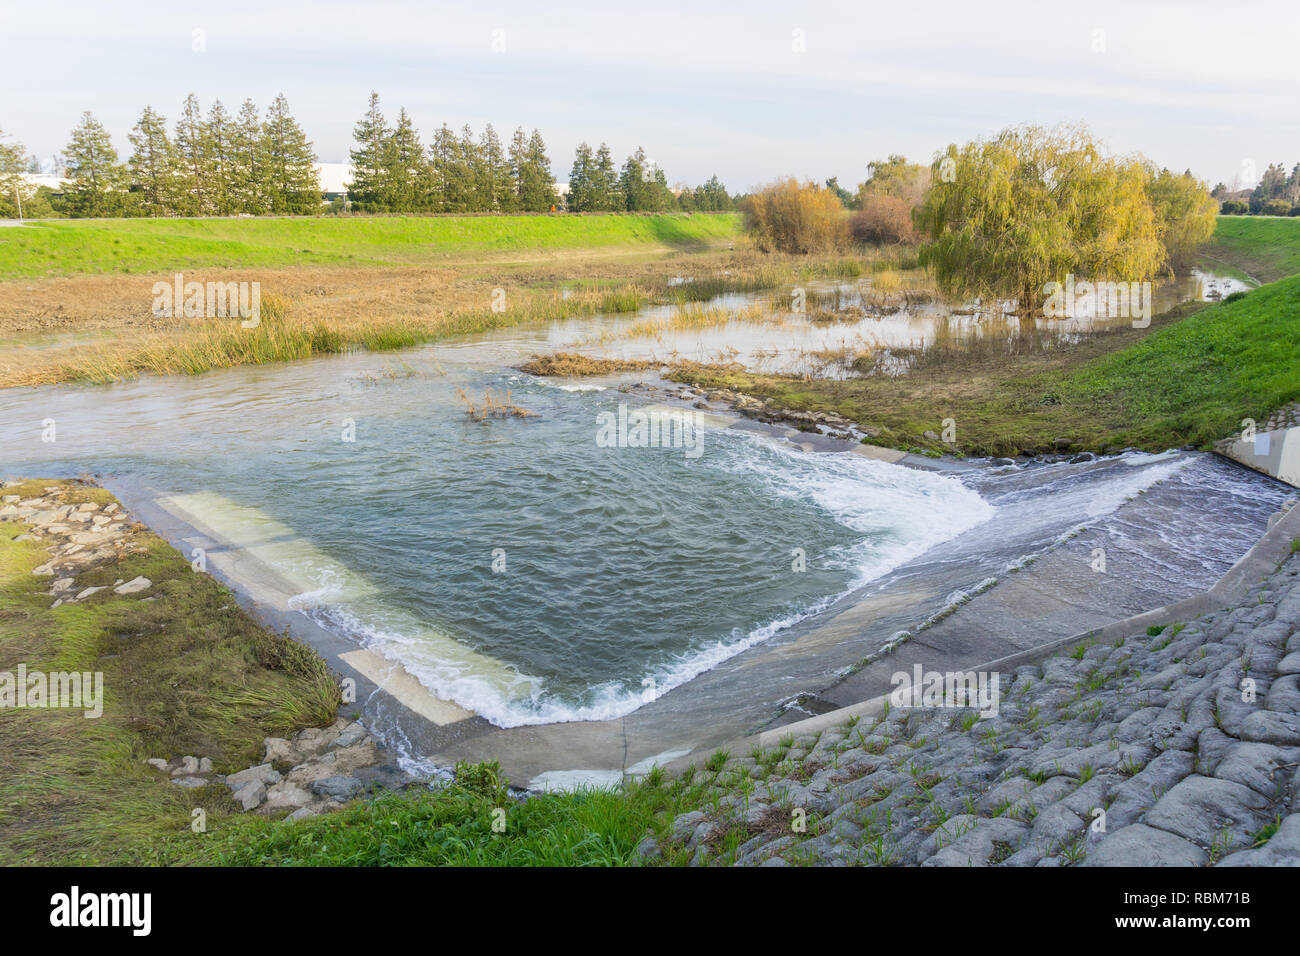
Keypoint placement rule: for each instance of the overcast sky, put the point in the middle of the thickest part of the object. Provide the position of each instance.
(749, 91)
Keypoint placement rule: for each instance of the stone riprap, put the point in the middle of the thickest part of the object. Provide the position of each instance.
(317, 770)
(79, 536)
(1180, 748)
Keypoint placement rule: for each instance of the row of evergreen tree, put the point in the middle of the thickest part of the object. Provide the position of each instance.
(639, 186)
(216, 164)
(213, 165)
(393, 172)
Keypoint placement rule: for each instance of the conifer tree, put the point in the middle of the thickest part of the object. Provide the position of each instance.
(518, 162)
(152, 164)
(404, 162)
(96, 179)
(464, 173)
(369, 186)
(249, 186)
(191, 160)
(536, 183)
(442, 156)
(13, 162)
(643, 185)
(292, 180)
(492, 187)
(606, 194)
(218, 147)
(581, 193)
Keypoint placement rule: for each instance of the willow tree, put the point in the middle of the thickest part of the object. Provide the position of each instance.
(1187, 214)
(1008, 215)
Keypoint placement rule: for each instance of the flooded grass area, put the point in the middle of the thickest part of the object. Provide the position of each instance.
(889, 323)
(103, 328)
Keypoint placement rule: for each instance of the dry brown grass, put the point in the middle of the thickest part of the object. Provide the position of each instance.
(573, 365)
(492, 406)
(101, 328)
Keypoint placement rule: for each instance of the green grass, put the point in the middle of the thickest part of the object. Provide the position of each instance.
(96, 246)
(1191, 381)
(454, 826)
(186, 673)
(1264, 248)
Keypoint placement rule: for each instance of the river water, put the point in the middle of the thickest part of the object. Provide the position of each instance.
(519, 568)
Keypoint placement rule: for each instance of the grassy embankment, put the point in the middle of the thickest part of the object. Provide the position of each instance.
(1190, 379)
(185, 673)
(122, 246)
(1261, 248)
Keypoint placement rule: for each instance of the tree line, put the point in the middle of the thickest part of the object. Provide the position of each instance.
(213, 164)
(595, 185)
(462, 173)
(1276, 194)
(216, 164)
(393, 172)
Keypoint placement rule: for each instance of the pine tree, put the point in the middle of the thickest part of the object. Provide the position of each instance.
(643, 185)
(606, 194)
(536, 183)
(465, 173)
(369, 186)
(581, 185)
(442, 157)
(152, 164)
(218, 147)
(294, 185)
(492, 186)
(404, 161)
(518, 164)
(712, 196)
(191, 161)
(249, 184)
(96, 179)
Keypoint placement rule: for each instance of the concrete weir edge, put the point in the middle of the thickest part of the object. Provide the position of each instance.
(1257, 563)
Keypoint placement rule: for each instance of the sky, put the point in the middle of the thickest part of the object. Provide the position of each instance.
(748, 91)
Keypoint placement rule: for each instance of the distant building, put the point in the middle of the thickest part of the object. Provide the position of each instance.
(36, 180)
(334, 179)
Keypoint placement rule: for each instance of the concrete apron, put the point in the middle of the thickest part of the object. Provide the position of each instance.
(398, 709)
(1274, 453)
(1253, 567)
(730, 703)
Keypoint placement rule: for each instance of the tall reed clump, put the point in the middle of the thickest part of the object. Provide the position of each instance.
(225, 343)
(689, 316)
(492, 406)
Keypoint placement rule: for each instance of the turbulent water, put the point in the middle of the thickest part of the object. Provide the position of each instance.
(613, 566)
(518, 568)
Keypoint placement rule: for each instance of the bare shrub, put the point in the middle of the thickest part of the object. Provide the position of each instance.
(882, 220)
(788, 216)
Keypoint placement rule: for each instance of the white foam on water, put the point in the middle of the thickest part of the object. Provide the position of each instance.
(899, 512)
(1084, 503)
(564, 780)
